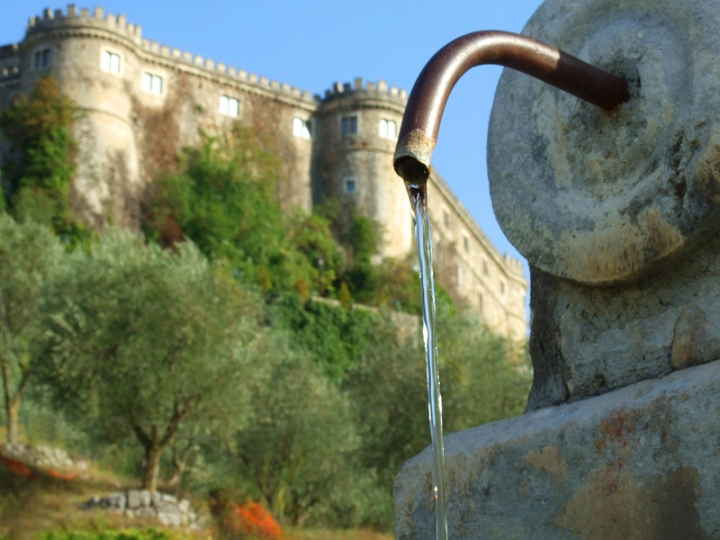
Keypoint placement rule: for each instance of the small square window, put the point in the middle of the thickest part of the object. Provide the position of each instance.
(152, 83)
(387, 129)
(42, 59)
(349, 125)
(110, 62)
(302, 128)
(229, 106)
(350, 186)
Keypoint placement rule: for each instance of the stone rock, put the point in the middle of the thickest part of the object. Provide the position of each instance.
(145, 498)
(44, 458)
(115, 501)
(638, 463)
(590, 340)
(604, 197)
(145, 512)
(143, 504)
(133, 498)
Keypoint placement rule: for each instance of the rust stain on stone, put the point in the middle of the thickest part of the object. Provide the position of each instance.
(617, 437)
(550, 461)
(615, 505)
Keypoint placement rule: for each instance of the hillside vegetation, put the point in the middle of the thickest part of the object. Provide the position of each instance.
(197, 356)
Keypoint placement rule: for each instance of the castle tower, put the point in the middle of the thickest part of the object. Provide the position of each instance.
(357, 132)
(91, 57)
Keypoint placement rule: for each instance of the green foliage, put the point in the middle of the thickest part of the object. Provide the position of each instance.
(481, 378)
(223, 199)
(363, 238)
(29, 256)
(334, 337)
(38, 127)
(120, 534)
(148, 338)
(296, 456)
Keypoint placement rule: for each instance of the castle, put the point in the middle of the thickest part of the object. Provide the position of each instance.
(143, 102)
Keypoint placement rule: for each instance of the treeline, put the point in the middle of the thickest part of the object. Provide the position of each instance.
(195, 354)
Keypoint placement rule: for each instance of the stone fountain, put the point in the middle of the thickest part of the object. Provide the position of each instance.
(618, 214)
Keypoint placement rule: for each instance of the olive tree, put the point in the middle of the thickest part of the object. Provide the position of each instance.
(29, 254)
(146, 340)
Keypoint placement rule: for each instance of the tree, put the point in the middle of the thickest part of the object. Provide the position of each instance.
(29, 255)
(482, 379)
(296, 454)
(145, 340)
(223, 198)
(38, 173)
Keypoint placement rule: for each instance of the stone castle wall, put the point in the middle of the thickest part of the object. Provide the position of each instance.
(128, 135)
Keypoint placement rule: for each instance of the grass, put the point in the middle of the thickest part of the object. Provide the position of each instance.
(30, 507)
(320, 534)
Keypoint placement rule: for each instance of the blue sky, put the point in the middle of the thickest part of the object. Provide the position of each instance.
(313, 44)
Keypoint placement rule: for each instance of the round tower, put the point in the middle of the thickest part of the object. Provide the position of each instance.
(93, 57)
(357, 132)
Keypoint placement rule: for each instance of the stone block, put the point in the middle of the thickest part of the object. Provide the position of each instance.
(114, 501)
(133, 499)
(638, 463)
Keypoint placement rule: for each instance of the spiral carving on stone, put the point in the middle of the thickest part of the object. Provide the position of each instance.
(603, 197)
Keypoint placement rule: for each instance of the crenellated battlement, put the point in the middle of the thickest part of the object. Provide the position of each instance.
(76, 18)
(9, 62)
(360, 88)
(73, 18)
(197, 61)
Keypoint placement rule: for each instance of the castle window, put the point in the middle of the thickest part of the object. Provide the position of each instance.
(446, 218)
(42, 59)
(348, 125)
(485, 268)
(302, 128)
(229, 106)
(480, 302)
(466, 243)
(503, 289)
(350, 185)
(152, 84)
(460, 275)
(387, 129)
(110, 62)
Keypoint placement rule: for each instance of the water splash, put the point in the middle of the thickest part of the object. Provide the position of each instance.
(417, 190)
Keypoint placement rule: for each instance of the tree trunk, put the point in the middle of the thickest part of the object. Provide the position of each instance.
(12, 409)
(179, 460)
(152, 467)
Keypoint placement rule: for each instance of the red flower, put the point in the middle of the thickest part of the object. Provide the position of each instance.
(254, 520)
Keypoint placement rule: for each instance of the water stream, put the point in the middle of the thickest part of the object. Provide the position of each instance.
(418, 198)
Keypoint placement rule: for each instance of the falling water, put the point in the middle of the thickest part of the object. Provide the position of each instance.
(418, 198)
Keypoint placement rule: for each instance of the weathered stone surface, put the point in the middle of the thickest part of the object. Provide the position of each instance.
(133, 499)
(639, 463)
(602, 197)
(589, 340)
(141, 503)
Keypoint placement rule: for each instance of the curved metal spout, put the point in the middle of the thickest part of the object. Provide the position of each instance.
(426, 104)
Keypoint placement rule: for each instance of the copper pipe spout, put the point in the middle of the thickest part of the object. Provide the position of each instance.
(421, 122)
